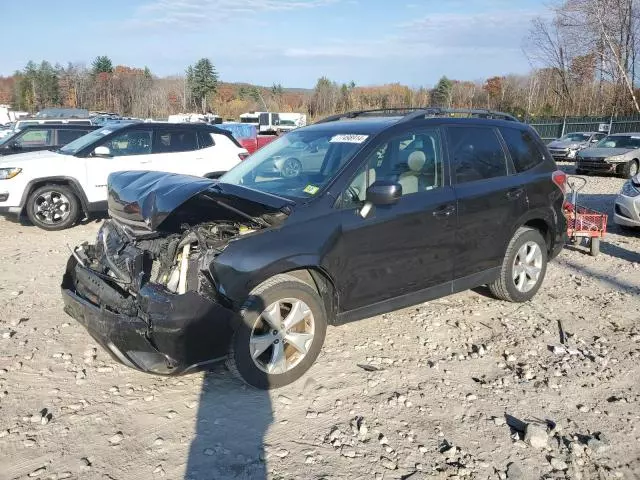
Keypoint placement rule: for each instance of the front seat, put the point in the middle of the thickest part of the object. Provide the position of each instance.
(410, 180)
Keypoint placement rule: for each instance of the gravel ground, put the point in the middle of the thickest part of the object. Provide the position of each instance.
(464, 387)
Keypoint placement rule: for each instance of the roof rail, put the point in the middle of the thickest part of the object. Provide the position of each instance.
(412, 113)
(394, 111)
(469, 112)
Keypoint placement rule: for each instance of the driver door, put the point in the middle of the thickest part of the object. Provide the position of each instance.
(402, 251)
(129, 150)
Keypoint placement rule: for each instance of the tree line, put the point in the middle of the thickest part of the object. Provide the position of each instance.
(583, 58)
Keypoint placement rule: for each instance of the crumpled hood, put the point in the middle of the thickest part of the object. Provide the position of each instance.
(162, 201)
(566, 144)
(604, 152)
(25, 159)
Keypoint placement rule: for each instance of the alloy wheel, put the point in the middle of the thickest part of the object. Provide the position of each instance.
(51, 207)
(527, 266)
(282, 336)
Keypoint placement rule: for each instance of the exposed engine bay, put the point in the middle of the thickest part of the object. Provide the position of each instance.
(175, 262)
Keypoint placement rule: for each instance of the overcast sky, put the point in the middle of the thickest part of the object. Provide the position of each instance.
(292, 42)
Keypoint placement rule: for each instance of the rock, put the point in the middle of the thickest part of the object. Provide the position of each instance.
(583, 408)
(471, 397)
(514, 472)
(158, 441)
(311, 414)
(536, 436)
(208, 451)
(422, 449)
(348, 452)
(598, 446)
(37, 472)
(116, 438)
(388, 463)
(558, 464)
(191, 404)
(29, 442)
(148, 398)
(104, 369)
(284, 400)
(281, 453)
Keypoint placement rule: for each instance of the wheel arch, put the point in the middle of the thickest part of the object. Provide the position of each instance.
(66, 181)
(540, 221)
(321, 281)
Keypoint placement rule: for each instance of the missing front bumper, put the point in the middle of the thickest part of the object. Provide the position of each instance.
(169, 335)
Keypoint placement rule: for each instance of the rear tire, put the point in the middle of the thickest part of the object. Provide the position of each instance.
(53, 207)
(520, 277)
(277, 298)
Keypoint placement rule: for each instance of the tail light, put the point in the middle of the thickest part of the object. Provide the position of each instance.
(560, 179)
(243, 155)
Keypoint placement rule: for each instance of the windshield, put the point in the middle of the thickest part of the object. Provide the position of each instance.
(84, 141)
(297, 165)
(249, 120)
(620, 141)
(576, 137)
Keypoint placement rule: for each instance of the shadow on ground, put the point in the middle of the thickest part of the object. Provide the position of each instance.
(233, 418)
(231, 425)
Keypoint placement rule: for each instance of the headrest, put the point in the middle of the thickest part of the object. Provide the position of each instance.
(416, 160)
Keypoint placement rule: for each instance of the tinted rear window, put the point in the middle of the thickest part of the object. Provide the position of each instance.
(523, 148)
(477, 153)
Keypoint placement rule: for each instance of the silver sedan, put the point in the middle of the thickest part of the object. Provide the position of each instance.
(627, 206)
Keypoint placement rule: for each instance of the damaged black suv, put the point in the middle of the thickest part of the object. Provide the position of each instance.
(357, 215)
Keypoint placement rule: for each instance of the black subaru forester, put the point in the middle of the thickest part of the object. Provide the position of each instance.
(359, 214)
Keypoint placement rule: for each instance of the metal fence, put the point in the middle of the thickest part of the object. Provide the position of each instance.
(552, 128)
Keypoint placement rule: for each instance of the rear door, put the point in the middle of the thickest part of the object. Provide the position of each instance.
(176, 150)
(490, 198)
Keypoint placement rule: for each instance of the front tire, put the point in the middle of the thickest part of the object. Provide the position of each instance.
(629, 169)
(53, 207)
(283, 328)
(523, 268)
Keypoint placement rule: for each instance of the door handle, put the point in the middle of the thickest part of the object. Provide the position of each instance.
(515, 193)
(445, 211)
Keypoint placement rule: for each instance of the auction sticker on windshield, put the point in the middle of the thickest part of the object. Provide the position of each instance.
(348, 138)
(311, 189)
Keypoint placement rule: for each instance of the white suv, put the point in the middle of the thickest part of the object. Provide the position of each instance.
(53, 188)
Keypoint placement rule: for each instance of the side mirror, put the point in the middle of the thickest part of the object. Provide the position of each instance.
(102, 151)
(15, 146)
(384, 192)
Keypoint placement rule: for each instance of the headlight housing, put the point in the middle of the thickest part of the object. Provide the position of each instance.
(616, 158)
(7, 173)
(630, 190)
